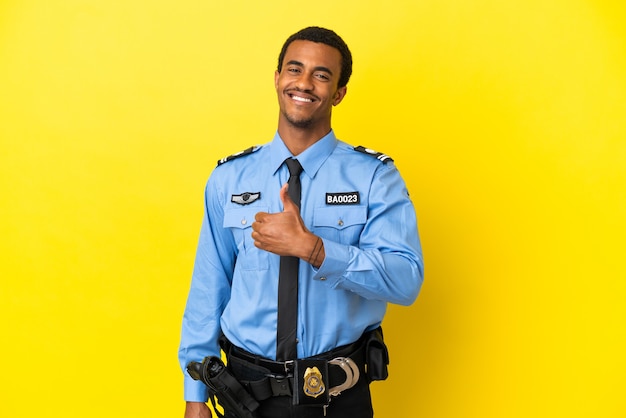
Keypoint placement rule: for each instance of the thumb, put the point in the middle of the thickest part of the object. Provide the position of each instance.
(288, 204)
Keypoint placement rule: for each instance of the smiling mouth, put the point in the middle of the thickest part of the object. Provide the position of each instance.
(300, 98)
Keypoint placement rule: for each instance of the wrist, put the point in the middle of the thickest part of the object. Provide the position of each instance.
(316, 253)
(197, 410)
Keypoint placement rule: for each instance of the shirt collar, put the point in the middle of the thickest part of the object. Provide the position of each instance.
(310, 159)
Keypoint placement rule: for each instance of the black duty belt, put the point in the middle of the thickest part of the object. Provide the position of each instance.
(327, 374)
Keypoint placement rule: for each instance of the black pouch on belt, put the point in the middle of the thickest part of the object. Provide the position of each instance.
(311, 383)
(376, 355)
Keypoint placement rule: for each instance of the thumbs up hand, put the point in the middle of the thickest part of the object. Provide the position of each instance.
(283, 233)
(288, 204)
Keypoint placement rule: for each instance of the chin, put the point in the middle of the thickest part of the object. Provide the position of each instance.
(302, 124)
(298, 123)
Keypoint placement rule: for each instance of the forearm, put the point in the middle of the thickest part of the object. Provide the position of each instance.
(394, 277)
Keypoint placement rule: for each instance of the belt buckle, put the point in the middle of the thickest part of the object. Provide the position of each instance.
(288, 367)
(352, 374)
(280, 385)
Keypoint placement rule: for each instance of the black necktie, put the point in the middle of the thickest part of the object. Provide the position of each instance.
(286, 346)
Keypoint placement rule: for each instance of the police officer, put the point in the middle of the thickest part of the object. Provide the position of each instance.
(354, 234)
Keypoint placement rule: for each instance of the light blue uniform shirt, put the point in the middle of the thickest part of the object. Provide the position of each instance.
(373, 253)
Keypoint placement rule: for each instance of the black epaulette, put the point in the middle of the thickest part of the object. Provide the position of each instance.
(238, 154)
(379, 155)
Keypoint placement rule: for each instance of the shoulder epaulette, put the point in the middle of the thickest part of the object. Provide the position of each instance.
(379, 155)
(238, 154)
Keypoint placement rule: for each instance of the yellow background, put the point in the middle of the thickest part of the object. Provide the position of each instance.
(506, 119)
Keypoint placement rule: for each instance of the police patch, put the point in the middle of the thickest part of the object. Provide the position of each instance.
(245, 198)
(379, 155)
(349, 198)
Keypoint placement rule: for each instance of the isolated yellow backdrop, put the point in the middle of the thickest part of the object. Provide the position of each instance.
(505, 118)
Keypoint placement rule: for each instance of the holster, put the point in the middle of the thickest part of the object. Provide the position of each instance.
(223, 386)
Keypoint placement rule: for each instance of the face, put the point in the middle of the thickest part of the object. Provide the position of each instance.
(307, 85)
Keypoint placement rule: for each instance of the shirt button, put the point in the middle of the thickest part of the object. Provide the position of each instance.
(322, 278)
(340, 222)
(243, 222)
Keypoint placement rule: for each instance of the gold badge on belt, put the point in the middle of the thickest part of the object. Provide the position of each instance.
(313, 382)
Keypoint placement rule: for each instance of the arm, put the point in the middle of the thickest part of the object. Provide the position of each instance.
(209, 292)
(386, 263)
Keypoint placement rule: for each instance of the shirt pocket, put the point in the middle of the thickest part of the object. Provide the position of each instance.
(239, 221)
(340, 224)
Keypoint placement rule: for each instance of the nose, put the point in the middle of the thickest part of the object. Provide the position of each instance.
(304, 82)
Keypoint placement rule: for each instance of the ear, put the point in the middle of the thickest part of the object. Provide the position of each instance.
(276, 75)
(339, 95)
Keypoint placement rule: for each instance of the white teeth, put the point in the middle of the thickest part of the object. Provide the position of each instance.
(301, 99)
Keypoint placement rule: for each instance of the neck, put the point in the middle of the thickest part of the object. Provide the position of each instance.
(297, 139)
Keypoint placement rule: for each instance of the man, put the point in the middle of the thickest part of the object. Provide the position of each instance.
(353, 236)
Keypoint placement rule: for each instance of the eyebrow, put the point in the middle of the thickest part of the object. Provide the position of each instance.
(318, 68)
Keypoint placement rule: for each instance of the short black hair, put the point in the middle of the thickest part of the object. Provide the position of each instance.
(323, 36)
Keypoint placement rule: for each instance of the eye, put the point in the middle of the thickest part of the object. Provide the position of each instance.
(322, 76)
